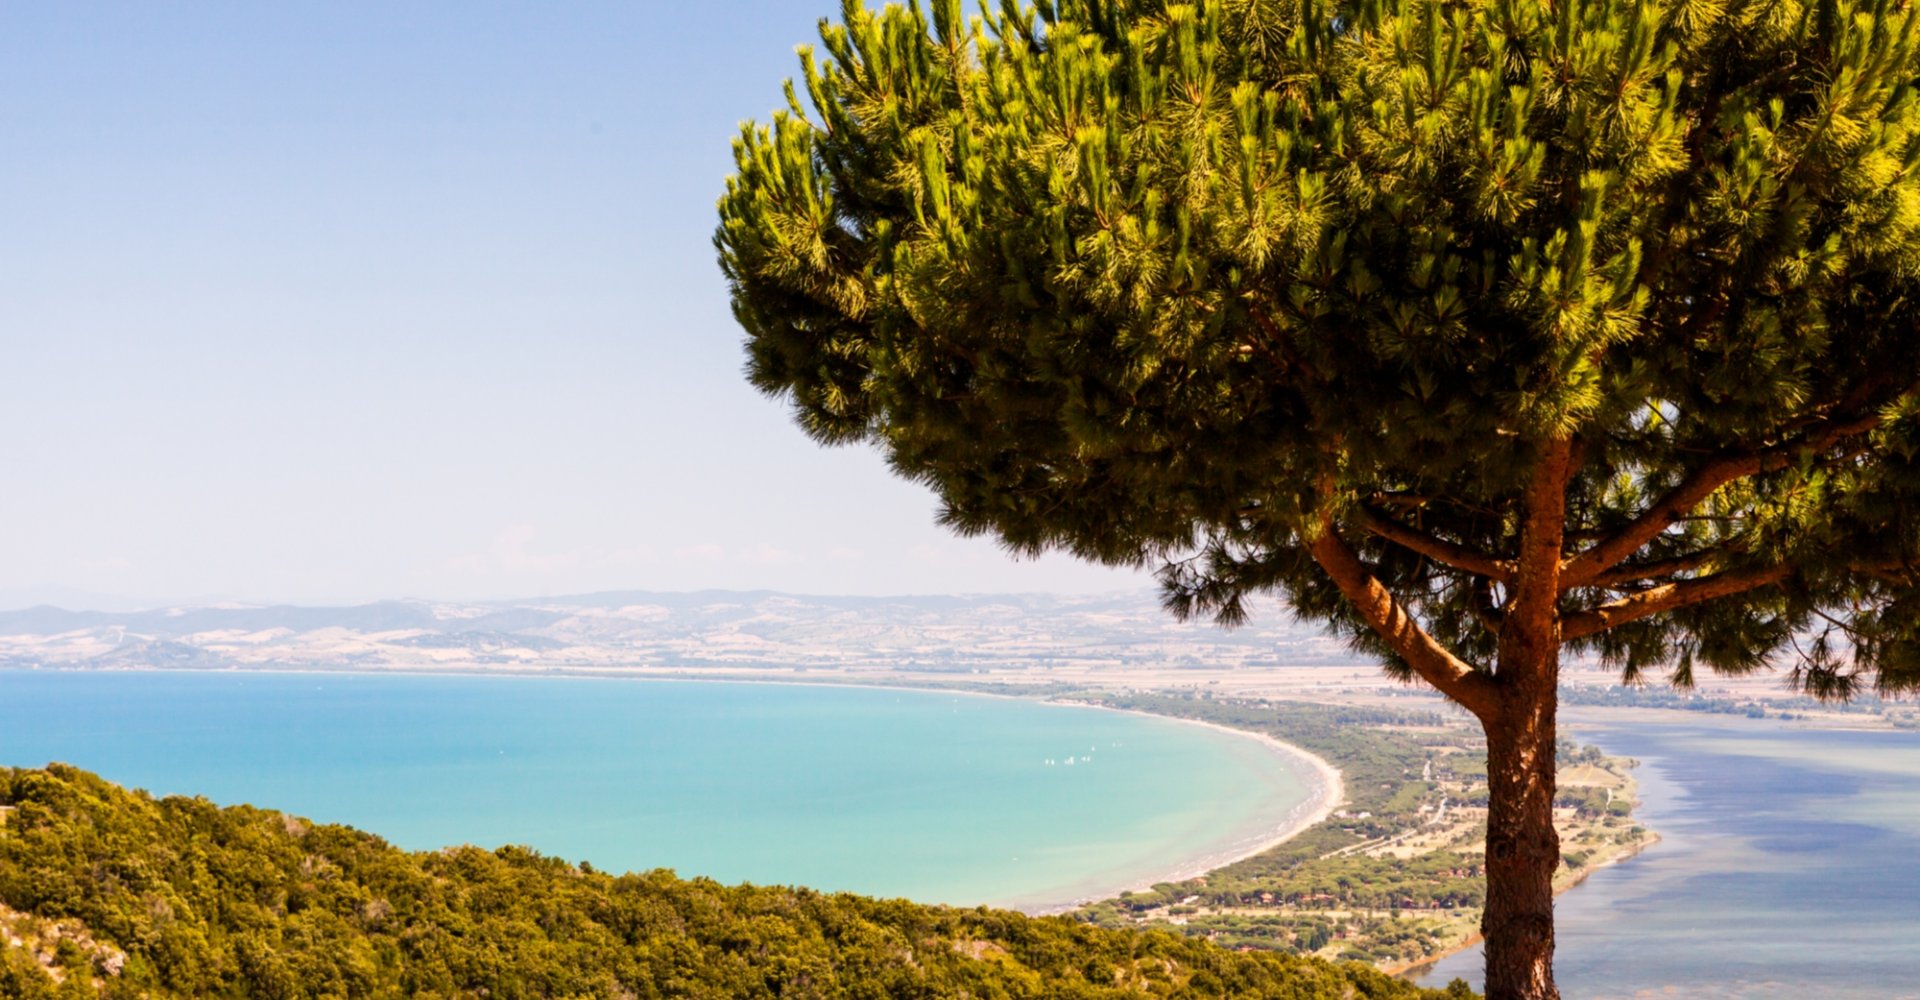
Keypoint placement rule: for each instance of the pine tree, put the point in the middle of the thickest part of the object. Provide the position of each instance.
(1484, 331)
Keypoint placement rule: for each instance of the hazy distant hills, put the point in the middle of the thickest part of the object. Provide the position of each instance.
(663, 630)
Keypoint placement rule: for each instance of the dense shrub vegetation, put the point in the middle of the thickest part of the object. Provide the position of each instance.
(113, 893)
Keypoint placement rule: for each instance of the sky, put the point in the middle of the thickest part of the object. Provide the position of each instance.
(337, 302)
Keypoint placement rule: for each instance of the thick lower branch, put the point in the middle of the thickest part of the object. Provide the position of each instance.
(1377, 607)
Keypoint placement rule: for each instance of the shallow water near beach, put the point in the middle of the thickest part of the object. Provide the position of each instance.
(933, 796)
(1789, 867)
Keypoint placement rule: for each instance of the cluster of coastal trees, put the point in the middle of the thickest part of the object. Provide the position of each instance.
(1314, 891)
(1440, 879)
(1391, 763)
(1384, 938)
(117, 894)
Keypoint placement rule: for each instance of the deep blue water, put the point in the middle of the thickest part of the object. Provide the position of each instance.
(1789, 868)
(933, 796)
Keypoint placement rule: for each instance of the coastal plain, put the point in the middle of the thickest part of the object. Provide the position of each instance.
(1385, 872)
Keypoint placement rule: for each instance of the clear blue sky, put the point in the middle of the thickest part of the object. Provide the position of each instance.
(333, 302)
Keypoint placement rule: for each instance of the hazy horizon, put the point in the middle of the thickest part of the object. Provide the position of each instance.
(81, 601)
(325, 304)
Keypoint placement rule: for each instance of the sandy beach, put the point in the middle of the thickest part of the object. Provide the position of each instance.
(1325, 791)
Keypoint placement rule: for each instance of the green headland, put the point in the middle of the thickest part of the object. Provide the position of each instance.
(114, 893)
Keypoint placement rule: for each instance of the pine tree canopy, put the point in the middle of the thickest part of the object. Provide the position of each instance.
(1311, 296)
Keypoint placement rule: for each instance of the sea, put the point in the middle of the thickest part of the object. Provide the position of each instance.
(937, 797)
(1788, 867)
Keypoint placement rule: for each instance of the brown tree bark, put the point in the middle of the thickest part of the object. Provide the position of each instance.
(1523, 849)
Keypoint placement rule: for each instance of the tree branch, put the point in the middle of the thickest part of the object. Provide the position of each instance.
(1484, 608)
(1583, 569)
(1668, 597)
(1439, 550)
(1635, 572)
(1387, 498)
(1280, 341)
(1377, 607)
(1893, 574)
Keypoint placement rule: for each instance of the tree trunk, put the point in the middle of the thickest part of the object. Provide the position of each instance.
(1523, 849)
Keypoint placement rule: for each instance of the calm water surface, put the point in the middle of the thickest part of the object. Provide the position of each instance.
(932, 796)
(1789, 868)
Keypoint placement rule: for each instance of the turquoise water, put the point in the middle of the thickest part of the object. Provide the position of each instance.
(933, 796)
(1789, 867)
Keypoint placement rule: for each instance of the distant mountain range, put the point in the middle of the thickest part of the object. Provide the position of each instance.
(639, 629)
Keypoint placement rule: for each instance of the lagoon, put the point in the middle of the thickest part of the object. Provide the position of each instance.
(934, 796)
(1789, 866)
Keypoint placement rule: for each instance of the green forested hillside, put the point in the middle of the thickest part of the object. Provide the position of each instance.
(106, 892)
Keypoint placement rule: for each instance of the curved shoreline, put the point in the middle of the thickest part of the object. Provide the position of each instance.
(1325, 792)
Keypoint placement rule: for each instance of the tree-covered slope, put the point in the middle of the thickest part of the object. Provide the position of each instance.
(109, 892)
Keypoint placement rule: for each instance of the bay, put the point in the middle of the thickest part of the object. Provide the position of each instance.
(933, 796)
(1788, 867)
